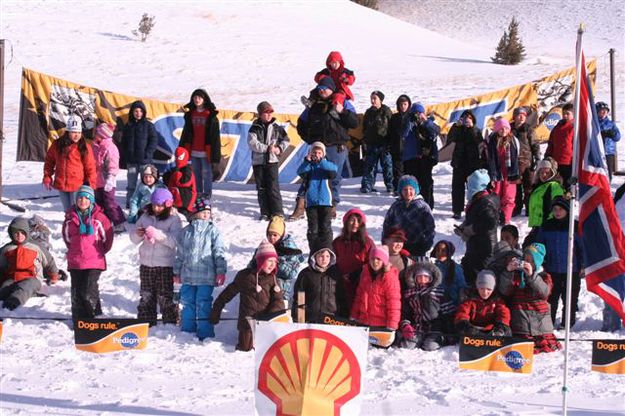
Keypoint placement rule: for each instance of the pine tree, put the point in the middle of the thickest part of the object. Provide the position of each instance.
(510, 50)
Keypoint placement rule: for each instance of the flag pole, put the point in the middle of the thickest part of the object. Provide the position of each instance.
(573, 211)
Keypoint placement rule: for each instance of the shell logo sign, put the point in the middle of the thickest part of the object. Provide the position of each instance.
(310, 369)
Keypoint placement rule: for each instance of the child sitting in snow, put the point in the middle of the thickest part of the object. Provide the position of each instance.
(423, 322)
(142, 194)
(484, 312)
(529, 287)
(377, 302)
(289, 256)
(259, 293)
(22, 266)
(200, 265)
(157, 231)
(453, 276)
(39, 234)
(106, 158)
(181, 183)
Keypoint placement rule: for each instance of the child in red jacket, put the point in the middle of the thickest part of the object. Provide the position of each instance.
(484, 312)
(181, 183)
(342, 77)
(560, 146)
(377, 302)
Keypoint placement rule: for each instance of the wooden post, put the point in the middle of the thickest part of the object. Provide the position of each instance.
(301, 312)
(1, 108)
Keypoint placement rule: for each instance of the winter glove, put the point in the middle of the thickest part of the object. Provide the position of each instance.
(607, 134)
(110, 184)
(47, 183)
(408, 332)
(62, 275)
(220, 279)
(152, 235)
(465, 327)
(214, 317)
(500, 330)
(465, 232)
(132, 219)
(52, 279)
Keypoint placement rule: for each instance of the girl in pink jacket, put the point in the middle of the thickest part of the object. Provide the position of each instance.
(106, 158)
(88, 236)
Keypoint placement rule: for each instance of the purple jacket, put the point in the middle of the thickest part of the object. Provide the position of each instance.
(106, 158)
(87, 251)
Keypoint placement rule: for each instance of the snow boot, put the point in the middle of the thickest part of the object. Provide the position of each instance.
(300, 209)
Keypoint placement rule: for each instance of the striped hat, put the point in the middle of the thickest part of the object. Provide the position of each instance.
(104, 131)
(264, 252)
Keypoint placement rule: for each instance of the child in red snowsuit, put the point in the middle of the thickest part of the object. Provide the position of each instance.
(484, 312)
(342, 77)
(181, 182)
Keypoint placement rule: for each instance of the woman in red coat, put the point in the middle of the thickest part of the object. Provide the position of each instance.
(352, 249)
(378, 302)
(70, 161)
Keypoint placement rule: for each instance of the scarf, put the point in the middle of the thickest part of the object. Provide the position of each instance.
(85, 228)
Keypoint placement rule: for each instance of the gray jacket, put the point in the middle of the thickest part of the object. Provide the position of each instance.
(259, 138)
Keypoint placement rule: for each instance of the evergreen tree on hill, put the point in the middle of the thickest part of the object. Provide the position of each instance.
(510, 50)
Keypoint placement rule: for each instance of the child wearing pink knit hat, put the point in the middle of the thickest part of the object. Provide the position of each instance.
(259, 291)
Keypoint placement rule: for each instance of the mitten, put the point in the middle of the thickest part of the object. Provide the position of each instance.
(132, 219)
(214, 317)
(52, 279)
(110, 184)
(408, 332)
(153, 235)
(465, 327)
(62, 275)
(500, 330)
(47, 183)
(176, 177)
(220, 279)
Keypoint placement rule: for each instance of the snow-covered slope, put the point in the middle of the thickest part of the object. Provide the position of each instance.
(243, 53)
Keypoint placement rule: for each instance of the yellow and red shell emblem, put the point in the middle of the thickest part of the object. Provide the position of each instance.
(309, 372)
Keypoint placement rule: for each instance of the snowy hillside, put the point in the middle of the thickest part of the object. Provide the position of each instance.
(243, 53)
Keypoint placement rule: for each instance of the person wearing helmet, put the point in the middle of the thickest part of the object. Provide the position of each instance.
(156, 233)
(610, 134)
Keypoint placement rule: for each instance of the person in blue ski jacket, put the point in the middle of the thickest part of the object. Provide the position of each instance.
(610, 134)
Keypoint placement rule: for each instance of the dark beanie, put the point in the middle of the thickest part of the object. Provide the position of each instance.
(562, 203)
(380, 94)
(326, 82)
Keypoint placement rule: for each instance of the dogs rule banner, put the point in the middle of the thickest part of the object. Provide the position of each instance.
(608, 356)
(108, 335)
(484, 353)
(309, 369)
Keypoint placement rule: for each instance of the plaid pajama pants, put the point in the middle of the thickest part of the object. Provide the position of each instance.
(157, 288)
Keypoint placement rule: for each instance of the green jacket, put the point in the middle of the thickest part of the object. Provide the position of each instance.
(540, 202)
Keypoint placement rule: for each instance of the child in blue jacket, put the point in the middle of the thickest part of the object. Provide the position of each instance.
(200, 265)
(554, 234)
(317, 172)
(610, 134)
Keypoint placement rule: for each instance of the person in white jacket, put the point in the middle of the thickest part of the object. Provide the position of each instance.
(156, 231)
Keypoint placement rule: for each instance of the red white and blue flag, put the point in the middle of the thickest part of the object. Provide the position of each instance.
(600, 228)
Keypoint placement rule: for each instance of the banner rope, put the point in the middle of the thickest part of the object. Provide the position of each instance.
(449, 334)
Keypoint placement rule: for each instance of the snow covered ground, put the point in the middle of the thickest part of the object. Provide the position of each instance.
(243, 53)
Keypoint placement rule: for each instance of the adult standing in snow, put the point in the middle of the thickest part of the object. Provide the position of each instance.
(479, 229)
(267, 140)
(413, 215)
(466, 158)
(421, 150)
(327, 123)
(560, 146)
(610, 134)
(396, 128)
(201, 137)
(70, 162)
(139, 141)
(529, 154)
(503, 165)
(375, 125)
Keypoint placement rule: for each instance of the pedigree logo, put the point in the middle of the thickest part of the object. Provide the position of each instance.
(308, 372)
(104, 335)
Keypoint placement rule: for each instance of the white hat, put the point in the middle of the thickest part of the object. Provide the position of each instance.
(74, 124)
